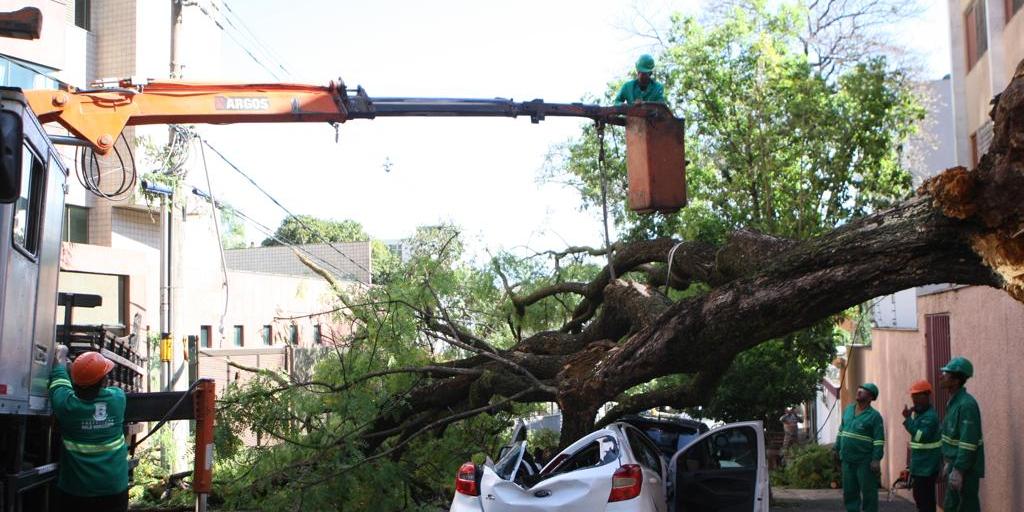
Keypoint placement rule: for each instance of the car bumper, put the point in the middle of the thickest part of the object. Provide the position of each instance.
(463, 503)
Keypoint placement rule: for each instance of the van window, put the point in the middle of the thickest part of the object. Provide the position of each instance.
(28, 207)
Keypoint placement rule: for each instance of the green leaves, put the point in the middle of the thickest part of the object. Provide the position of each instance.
(772, 145)
(307, 229)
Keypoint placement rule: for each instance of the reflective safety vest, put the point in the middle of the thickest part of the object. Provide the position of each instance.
(861, 436)
(925, 442)
(962, 444)
(94, 461)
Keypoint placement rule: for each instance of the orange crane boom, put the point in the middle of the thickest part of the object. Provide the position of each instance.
(656, 161)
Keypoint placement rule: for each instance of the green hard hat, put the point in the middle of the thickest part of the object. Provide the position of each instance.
(959, 365)
(870, 388)
(645, 64)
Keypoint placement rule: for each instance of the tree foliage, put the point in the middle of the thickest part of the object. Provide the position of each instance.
(307, 229)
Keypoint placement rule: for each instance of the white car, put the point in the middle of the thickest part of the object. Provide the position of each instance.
(620, 469)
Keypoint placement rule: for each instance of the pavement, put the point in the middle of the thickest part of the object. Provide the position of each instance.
(831, 500)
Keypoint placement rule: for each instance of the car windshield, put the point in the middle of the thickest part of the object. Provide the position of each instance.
(506, 465)
(598, 452)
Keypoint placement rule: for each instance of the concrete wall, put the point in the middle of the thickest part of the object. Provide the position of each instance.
(986, 326)
(118, 262)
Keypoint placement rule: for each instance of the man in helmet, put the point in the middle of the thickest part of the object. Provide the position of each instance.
(962, 448)
(925, 444)
(94, 462)
(860, 445)
(644, 88)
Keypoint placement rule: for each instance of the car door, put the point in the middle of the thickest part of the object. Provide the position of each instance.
(724, 470)
(578, 480)
(653, 466)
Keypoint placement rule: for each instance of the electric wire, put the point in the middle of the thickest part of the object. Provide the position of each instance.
(842, 380)
(166, 416)
(269, 232)
(298, 219)
(220, 243)
(90, 167)
(272, 56)
(241, 45)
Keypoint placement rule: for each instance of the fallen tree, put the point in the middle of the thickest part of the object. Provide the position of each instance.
(963, 226)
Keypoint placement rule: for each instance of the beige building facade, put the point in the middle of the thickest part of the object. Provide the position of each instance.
(987, 43)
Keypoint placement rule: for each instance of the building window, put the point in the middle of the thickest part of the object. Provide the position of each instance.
(318, 334)
(293, 334)
(268, 335)
(28, 207)
(205, 335)
(1012, 6)
(76, 224)
(239, 336)
(975, 32)
(83, 14)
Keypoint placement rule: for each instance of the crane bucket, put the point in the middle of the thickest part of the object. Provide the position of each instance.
(656, 162)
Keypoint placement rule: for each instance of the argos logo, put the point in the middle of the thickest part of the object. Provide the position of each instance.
(241, 103)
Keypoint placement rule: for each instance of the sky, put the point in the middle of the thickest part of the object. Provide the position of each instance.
(392, 175)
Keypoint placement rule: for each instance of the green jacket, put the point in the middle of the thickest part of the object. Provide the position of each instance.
(94, 461)
(632, 93)
(962, 444)
(925, 442)
(861, 436)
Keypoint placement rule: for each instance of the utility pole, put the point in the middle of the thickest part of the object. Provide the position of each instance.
(176, 39)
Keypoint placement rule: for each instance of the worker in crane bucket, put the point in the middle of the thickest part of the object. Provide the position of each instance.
(93, 472)
(644, 87)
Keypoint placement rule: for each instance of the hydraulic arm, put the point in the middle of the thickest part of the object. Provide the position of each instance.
(655, 151)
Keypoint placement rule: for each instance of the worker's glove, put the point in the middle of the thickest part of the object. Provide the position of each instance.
(944, 471)
(875, 466)
(60, 355)
(956, 480)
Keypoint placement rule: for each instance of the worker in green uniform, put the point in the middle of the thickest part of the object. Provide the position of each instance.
(93, 472)
(925, 444)
(860, 445)
(963, 452)
(644, 87)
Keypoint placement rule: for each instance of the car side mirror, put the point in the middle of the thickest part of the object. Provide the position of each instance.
(10, 156)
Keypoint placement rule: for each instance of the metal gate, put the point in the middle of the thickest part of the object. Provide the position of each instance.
(936, 333)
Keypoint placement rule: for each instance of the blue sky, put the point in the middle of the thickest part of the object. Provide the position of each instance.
(480, 174)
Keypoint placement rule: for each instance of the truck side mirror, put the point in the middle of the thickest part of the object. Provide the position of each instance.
(10, 156)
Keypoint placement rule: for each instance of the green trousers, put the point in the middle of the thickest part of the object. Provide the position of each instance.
(964, 500)
(860, 487)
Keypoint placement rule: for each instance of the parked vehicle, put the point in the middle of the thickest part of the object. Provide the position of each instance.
(619, 468)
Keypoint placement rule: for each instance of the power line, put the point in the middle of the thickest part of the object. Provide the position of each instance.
(298, 219)
(266, 49)
(263, 228)
(239, 43)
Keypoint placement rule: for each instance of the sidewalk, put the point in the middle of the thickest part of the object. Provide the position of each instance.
(831, 500)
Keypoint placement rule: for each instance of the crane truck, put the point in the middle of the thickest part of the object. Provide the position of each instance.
(33, 183)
